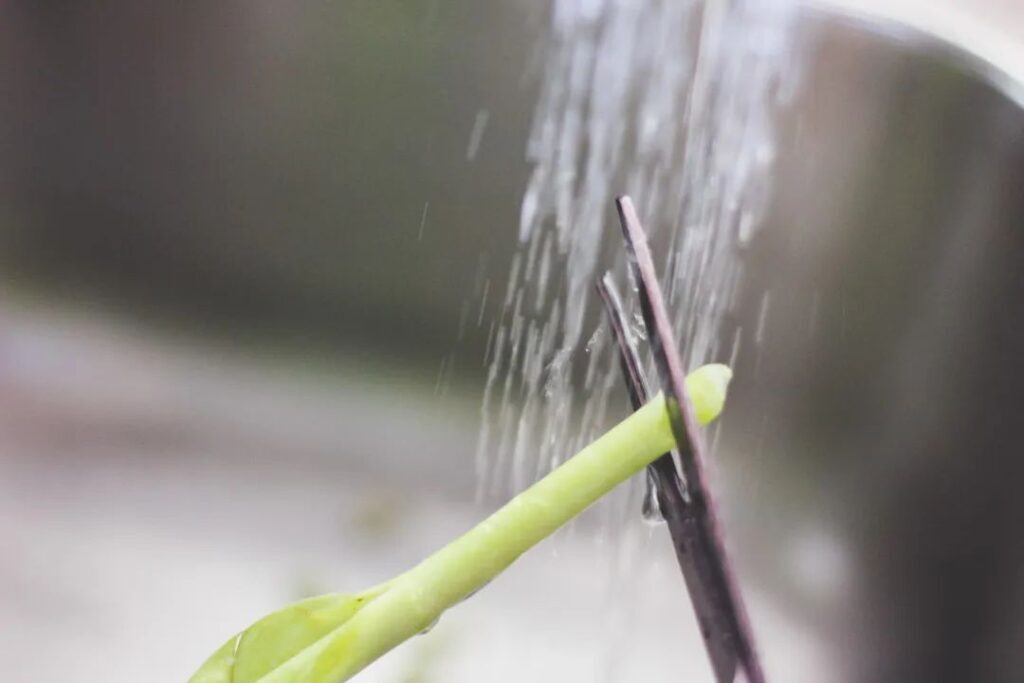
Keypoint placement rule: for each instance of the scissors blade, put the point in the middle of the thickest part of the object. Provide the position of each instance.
(688, 500)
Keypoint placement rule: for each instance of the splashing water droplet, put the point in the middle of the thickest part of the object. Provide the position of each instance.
(476, 135)
(638, 329)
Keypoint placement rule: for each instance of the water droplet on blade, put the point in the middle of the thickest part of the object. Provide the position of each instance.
(650, 509)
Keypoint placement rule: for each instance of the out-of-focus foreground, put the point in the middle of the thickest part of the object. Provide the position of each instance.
(250, 253)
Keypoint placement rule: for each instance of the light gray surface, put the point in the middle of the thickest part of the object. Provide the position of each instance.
(132, 547)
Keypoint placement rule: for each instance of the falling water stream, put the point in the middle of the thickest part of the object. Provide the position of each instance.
(672, 102)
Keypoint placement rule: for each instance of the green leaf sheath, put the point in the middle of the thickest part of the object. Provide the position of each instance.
(328, 639)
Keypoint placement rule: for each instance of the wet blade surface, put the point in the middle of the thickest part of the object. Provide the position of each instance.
(686, 503)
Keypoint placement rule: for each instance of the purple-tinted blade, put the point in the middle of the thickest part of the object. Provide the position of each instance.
(629, 360)
(714, 590)
(671, 493)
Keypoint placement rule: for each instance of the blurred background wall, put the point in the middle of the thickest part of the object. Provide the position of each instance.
(299, 171)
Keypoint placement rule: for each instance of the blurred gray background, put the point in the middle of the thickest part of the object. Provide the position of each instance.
(243, 256)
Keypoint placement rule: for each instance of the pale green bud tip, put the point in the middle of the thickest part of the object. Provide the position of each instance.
(707, 387)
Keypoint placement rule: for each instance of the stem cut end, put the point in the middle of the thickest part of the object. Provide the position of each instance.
(707, 387)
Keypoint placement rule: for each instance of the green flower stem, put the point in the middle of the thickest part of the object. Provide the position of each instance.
(331, 638)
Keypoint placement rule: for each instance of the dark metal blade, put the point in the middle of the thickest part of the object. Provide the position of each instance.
(713, 589)
(662, 471)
